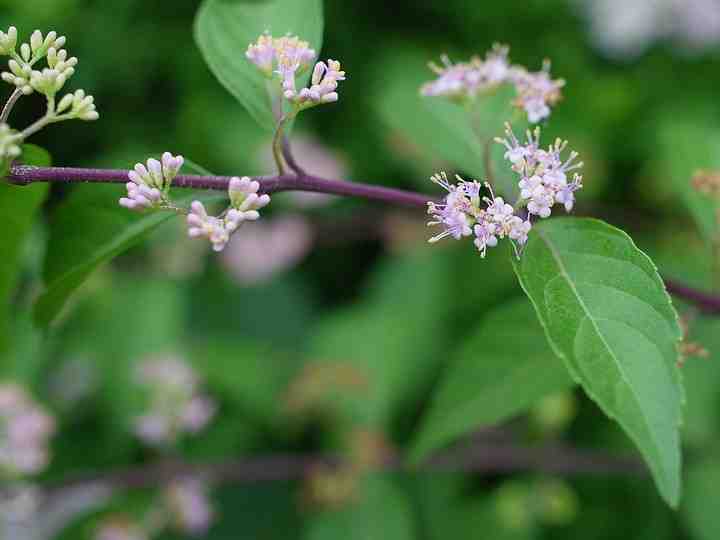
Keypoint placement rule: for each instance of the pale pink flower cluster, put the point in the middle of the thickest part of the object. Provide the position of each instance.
(149, 185)
(266, 248)
(537, 92)
(543, 183)
(25, 432)
(177, 405)
(245, 203)
(289, 57)
(543, 173)
(465, 213)
(190, 508)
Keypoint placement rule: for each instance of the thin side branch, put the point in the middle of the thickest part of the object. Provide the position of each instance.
(9, 105)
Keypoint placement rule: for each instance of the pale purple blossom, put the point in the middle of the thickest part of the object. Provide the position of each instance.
(189, 505)
(262, 54)
(543, 172)
(25, 431)
(465, 213)
(287, 57)
(177, 404)
(536, 92)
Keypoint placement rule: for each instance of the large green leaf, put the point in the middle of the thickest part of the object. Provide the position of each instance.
(607, 314)
(87, 230)
(492, 377)
(18, 206)
(224, 29)
(443, 130)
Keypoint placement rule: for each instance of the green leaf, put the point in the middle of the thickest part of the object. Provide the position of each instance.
(492, 377)
(382, 511)
(443, 130)
(87, 230)
(225, 28)
(18, 206)
(607, 314)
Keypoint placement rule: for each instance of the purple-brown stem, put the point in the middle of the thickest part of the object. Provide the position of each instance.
(478, 458)
(299, 181)
(25, 174)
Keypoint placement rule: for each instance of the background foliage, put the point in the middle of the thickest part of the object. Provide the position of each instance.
(395, 314)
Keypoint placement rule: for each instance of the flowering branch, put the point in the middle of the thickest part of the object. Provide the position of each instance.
(302, 181)
(25, 174)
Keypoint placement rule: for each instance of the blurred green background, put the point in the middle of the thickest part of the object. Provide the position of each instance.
(367, 293)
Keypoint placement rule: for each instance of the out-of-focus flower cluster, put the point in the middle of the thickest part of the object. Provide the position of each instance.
(120, 528)
(287, 58)
(189, 507)
(183, 505)
(627, 29)
(177, 405)
(25, 431)
(543, 183)
(267, 248)
(536, 92)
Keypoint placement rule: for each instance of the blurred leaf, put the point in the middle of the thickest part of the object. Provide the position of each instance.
(447, 507)
(18, 206)
(252, 376)
(701, 377)
(398, 334)
(702, 500)
(492, 377)
(224, 29)
(392, 337)
(607, 314)
(441, 129)
(381, 510)
(689, 144)
(87, 230)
